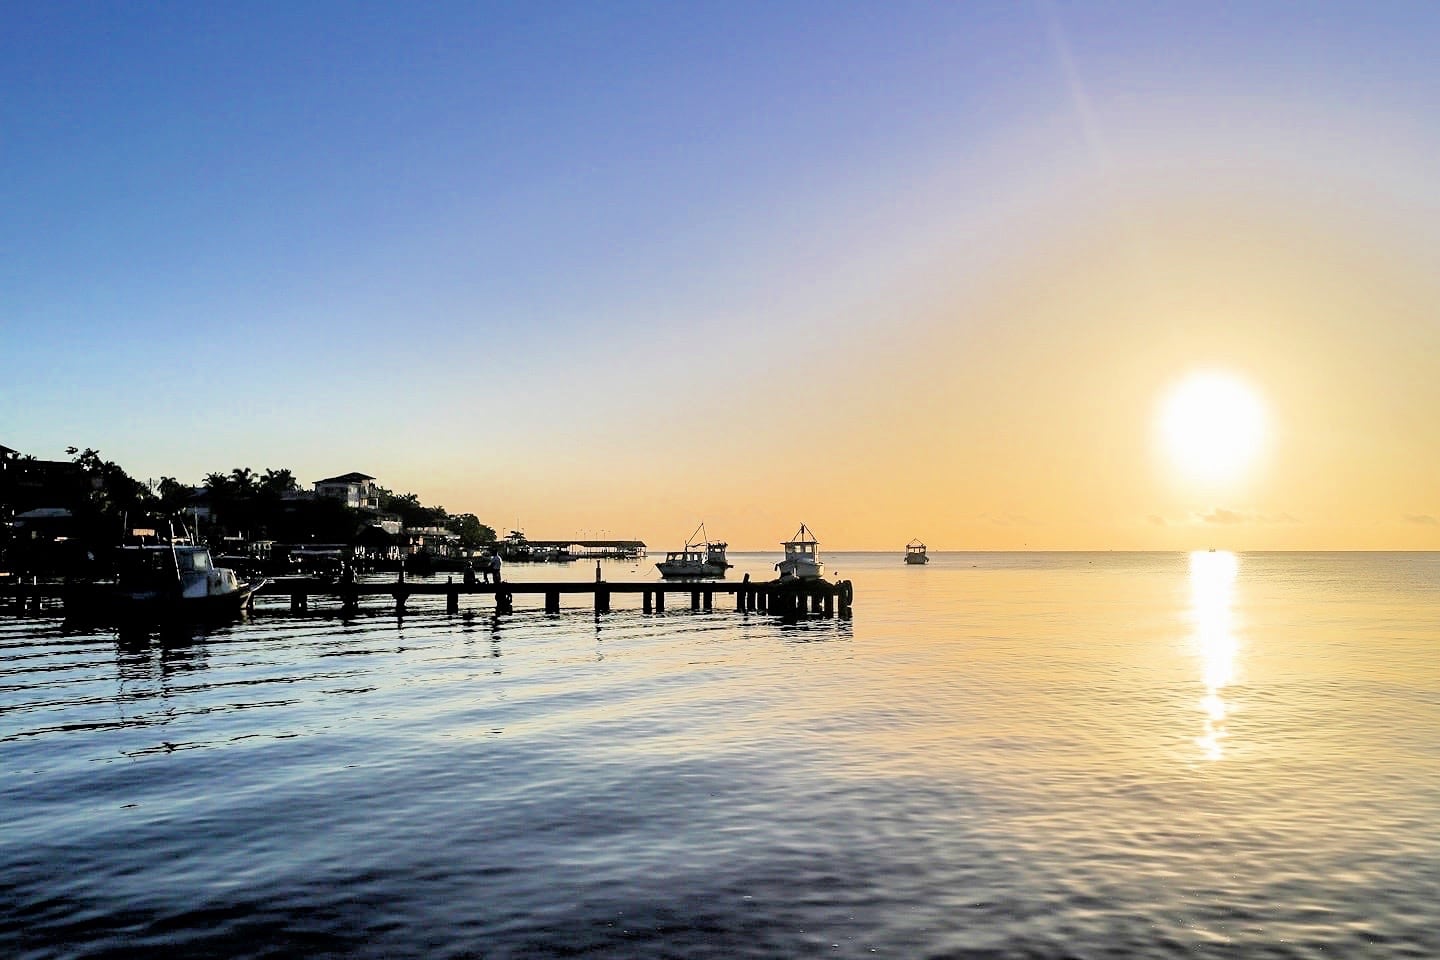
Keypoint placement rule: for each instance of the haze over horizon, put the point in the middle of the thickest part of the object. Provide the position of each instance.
(997, 276)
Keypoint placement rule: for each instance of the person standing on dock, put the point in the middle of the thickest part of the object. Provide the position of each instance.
(495, 566)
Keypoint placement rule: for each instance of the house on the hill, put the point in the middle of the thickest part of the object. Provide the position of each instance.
(355, 490)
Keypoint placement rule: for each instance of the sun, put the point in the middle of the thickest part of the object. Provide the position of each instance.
(1212, 425)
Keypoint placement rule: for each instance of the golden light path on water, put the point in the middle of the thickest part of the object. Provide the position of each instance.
(1212, 598)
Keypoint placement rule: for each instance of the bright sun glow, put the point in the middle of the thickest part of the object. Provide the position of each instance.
(1212, 426)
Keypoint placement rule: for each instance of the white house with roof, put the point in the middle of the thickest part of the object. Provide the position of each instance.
(355, 490)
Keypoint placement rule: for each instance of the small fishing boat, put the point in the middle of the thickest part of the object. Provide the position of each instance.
(802, 557)
(163, 583)
(701, 557)
(915, 552)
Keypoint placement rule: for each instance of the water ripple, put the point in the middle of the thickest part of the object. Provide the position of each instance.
(997, 757)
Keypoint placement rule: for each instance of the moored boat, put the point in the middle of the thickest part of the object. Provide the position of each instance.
(701, 557)
(915, 552)
(162, 583)
(802, 557)
(514, 548)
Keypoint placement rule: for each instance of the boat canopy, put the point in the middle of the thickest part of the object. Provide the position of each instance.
(803, 542)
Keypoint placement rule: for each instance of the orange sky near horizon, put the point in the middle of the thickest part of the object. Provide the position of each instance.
(1019, 411)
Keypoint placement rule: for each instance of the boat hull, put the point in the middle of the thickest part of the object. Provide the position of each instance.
(104, 603)
(676, 570)
(801, 569)
(917, 558)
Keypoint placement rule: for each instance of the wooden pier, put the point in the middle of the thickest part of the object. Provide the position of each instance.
(790, 599)
(784, 598)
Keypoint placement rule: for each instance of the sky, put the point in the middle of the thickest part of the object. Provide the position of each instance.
(893, 270)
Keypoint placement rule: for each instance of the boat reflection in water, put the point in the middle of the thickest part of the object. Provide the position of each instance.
(1212, 598)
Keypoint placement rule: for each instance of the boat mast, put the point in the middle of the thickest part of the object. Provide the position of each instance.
(175, 555)
(691, 539)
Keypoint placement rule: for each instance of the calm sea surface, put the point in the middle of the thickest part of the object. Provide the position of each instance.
(1000, 755)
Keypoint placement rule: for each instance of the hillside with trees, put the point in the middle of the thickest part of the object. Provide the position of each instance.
(57, 517)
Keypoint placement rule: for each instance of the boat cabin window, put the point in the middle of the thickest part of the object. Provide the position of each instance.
(197, 561)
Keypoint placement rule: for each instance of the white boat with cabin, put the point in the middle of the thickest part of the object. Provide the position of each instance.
(159, 582)
(915, 552)
(802, 557)
(701, 557)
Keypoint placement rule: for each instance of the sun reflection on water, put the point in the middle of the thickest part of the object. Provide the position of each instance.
(1212, 594)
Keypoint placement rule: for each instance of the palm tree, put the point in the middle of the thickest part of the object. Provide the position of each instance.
(277, 482)
(243, 482)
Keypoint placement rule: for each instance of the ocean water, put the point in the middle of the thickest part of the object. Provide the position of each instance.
(1001, 755)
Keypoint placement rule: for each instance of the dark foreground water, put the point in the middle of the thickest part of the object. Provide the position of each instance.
(1001, 755)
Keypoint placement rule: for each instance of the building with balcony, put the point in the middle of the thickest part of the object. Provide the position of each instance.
(356, 490)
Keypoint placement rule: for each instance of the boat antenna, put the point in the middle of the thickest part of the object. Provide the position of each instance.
(175, 555)
(691, 539)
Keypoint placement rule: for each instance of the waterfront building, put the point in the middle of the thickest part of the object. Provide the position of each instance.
(355, 490)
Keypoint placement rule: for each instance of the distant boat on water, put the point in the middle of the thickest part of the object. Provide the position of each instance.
(915, 552)
(700, 557)
(514, 547)
(802, 557)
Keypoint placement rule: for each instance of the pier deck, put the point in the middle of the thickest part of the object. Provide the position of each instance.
(780, 597)
(784, 598)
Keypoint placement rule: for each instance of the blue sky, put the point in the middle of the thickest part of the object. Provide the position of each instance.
(445, 241)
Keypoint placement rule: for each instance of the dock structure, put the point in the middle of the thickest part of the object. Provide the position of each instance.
(783, 598)
(790, 599)
(19, 596)
(594, 549)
